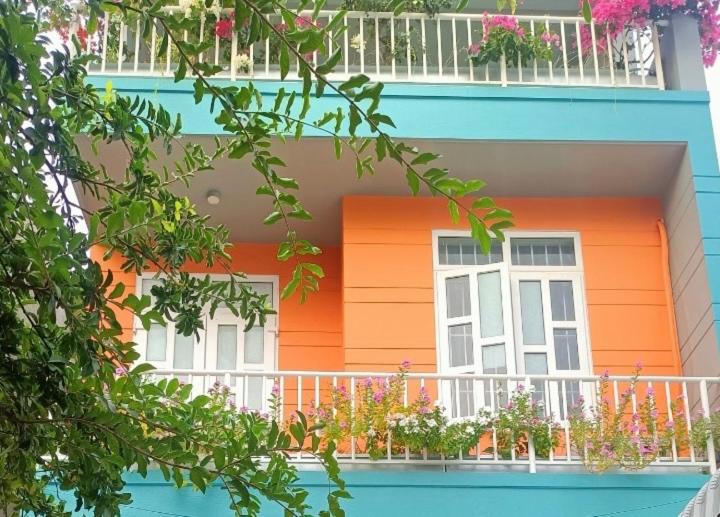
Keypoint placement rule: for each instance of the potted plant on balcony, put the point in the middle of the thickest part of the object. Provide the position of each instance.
(505, 40)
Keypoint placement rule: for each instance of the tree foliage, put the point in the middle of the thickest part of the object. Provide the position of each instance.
(71, 421)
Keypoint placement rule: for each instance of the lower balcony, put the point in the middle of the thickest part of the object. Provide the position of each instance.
(496, 422)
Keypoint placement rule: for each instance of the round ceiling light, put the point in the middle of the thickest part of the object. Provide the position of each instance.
(213, 197)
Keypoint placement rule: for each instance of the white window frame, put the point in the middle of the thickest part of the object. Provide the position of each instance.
(202, 350)
(517, 273)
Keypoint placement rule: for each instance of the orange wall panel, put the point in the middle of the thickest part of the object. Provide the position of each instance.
(388, 299)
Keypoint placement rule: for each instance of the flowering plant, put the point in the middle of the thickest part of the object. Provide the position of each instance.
(704, 429)
(519, 420)
(614, 16)
(609, 435)
(504, 37)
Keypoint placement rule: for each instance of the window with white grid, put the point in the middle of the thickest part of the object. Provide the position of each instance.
(519, 309)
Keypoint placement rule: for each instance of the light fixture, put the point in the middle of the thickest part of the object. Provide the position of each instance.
(213, 197)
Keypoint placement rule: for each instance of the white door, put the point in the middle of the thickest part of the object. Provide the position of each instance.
(229, 347)
(475, 334)
(551, 335)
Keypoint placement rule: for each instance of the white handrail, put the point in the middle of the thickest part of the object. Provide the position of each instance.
(676, 397)
(399, 48)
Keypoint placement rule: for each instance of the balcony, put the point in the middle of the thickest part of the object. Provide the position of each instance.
(409, 48)
(511, 422)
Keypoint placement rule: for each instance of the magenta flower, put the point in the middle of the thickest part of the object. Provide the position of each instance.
(405, 365)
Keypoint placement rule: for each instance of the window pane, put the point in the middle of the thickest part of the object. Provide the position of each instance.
(536, 364)
(254, 345)
(254, 393)
(261, 288)
(562, 301)
(156, 342)
(458, 296)
(183, 356)
(464, 403)
(147, 285)
(461, 345)
(465, 251)
(572, 397)
(531, 313)
(543, 252)
(226, 347)
(566, 349)
(491, 310)
(493, 357)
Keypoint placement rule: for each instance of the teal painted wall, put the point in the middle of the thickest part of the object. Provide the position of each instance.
(476, 112)
(451, 494)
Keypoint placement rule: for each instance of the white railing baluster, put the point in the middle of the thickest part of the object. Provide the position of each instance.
(392, 45)
(671, 418)
(168, 56)
(581, 64)
(136, 56)
(346, 46)
(408, 47)
(153, 47)
(625, 57)
(377, 44)
(454, 40)
(595, 52)
(106, 29)
(706, 414)
(439, 47)
(424, 46)
(688, 421)
(299, 404)
(121, 46)
(362, 45)
(281, 385)
(563, 42)
(640, 52)
(535, 66)
(469, 39)
(352, 411)
(201, 56)
(550, 63)
(659, 74)
(610, 55)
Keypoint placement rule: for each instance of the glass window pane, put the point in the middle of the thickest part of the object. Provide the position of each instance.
(458, 296)
(255, 345)
(461, 345)
(566, 349)
(183, 356)
(465, 251)
(536, 364)
(562, 301)
(147, 285)
(227, 347)
(463, 404)
(542, 252)
(262, 288)
(254, 393)
(491, 310)
(493, 357)
(156, 342)
(531, 313)
(572, 395)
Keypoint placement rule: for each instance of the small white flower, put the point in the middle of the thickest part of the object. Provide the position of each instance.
(371, 432)
(216, 9)
(431, 423)
(242, 62)
(531, 389)
(357, 43)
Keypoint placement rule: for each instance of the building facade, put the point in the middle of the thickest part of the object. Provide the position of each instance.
(609, 167)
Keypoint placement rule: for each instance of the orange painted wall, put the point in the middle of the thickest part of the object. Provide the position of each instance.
(388, 278)
(310, 334)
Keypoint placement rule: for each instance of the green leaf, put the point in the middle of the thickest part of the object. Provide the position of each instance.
(587, 11)
(284, 62)
(413, 181)
(197, 477)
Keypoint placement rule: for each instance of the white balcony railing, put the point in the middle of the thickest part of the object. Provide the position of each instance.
(406, 48)
(682, 401)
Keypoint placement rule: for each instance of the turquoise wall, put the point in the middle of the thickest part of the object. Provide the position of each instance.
(476, 112)
(450, 494)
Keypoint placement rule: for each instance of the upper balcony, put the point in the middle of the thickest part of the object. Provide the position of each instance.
(408, 48)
